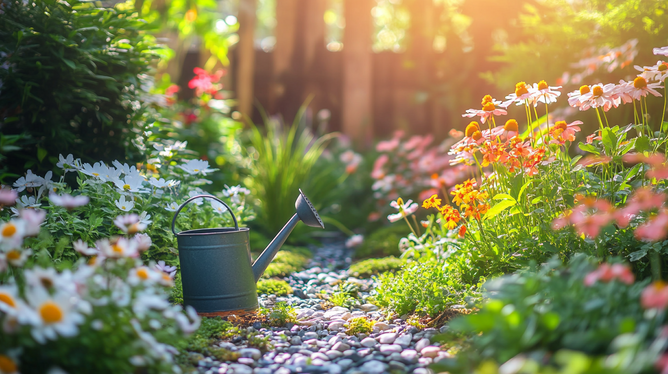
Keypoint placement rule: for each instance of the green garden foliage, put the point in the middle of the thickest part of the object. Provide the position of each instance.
(375, 266)
(425, 287)
(382, 242)
(74, 80)
(555, 307)
(360, 325)
(273, 287)
(279, 315)
(287, 261)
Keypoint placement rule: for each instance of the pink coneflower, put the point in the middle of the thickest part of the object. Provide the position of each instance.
(600, 96)
(641, 88)
(655, 296)
(487, 111)
(575, 97)
(656, 72)
(521, 94)
(544, 93)
(655, 229)
(606, 273)
(68, 201)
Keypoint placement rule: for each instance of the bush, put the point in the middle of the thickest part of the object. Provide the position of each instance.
(375, 266)
(75, 80)
(424, 287)
(279, 315)
(273, 287)
(382, 242)
(554, 307)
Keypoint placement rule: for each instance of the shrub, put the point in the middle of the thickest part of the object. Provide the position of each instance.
(345, 296)
(204, 339)
(375, 266)
(273, 287)
(382, 242)
(75, 80)
(555, 307)
(424, 287)
(360, 325)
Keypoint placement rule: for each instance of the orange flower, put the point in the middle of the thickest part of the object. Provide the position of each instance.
(450, 217)
(511, 125)
(462, 231)
(472, 128)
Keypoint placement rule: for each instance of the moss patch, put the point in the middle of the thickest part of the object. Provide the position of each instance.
(287, 261)
(375, 266)
(273, 287)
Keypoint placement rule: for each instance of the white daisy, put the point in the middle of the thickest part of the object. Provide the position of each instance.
(27, 202)
(196, 167)
(218, 207)
(131, 183)
(159, 183)
(169, 270)
(125, 168)
(121, 247)
(661, 51)
(144, 241)
(143, 275)
(11, 234)
(98, 170)
(129, 223)
(10, 302)
(68, 163)
(189, 322)
(172, 207)
(18, 257)
(125, 205)
(50, 279)
(405, 209)
(29, 181)
(145, 218)
(235, 192)
(56, 314)
(48, 185)
(194, 193)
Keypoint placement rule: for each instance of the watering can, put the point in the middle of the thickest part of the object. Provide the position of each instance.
(216, 272)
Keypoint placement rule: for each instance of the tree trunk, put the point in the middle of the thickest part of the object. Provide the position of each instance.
(246, 50)
(357, 80)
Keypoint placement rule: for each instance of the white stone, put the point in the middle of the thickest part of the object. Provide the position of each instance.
(421, 344)
(368, 307)
(381, 326)
(404, 340)
(373, 367)
(333, 354)
(369, 342)
(409, 355)
(430, 351)
(340, 346)
(253, 353)
(387, 338)
(390, 348)
(335, 326)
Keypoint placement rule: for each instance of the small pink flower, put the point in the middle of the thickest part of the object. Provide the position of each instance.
(387, 145)
(129, 223)
(8, 196)
(354, 241)
(661, 51)
(67, 201)
(607, 273)
(655, 229)
(655, 296)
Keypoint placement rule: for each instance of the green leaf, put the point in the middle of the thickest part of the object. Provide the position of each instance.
(609, 140)
(519, 196)
(589, 148)
(498, 208)
(41, 153)
(642, 144)
(503, 196)
(637, 255)
(69, 63)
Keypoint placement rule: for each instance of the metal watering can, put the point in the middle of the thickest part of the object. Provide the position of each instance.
(216, 272)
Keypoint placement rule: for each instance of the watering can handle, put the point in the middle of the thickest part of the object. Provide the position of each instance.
(236, 225)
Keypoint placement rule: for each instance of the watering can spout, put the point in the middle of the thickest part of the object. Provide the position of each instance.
(305, 213)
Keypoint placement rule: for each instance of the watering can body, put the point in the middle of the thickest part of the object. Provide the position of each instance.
(217, 272)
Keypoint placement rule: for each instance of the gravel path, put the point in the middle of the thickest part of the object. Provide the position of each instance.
(318, 342)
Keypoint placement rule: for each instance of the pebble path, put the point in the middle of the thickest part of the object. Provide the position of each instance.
(317, 343)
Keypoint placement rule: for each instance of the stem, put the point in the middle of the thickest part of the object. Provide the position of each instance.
(416, 225)
(411, 227)
(600, 122)
(665, 96)
(655, 264)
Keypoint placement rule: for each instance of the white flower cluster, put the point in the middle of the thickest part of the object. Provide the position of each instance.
(56, 305)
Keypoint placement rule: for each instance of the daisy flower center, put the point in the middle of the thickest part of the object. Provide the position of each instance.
(117, 248)
(7, 299)
(51, 312)
(521, 89)
(142, 273)
(13, 255)
(196, 170)
(123, 207)
(471, 128)
(126, 187)
(46, 282)
(542, 85)
(662, 67)
(9, 230)
(92, 260)
(400, 201)
(96, 174)
(133, 229)
(584, 90)
(659, 285)
(597, 91)
(560, 125)
(7, 365)
(639, 83)
(488, 107)
(476, 135)
(166, 278)
(511, 125)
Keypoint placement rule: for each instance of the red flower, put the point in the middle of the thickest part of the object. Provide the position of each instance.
(205, 82)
